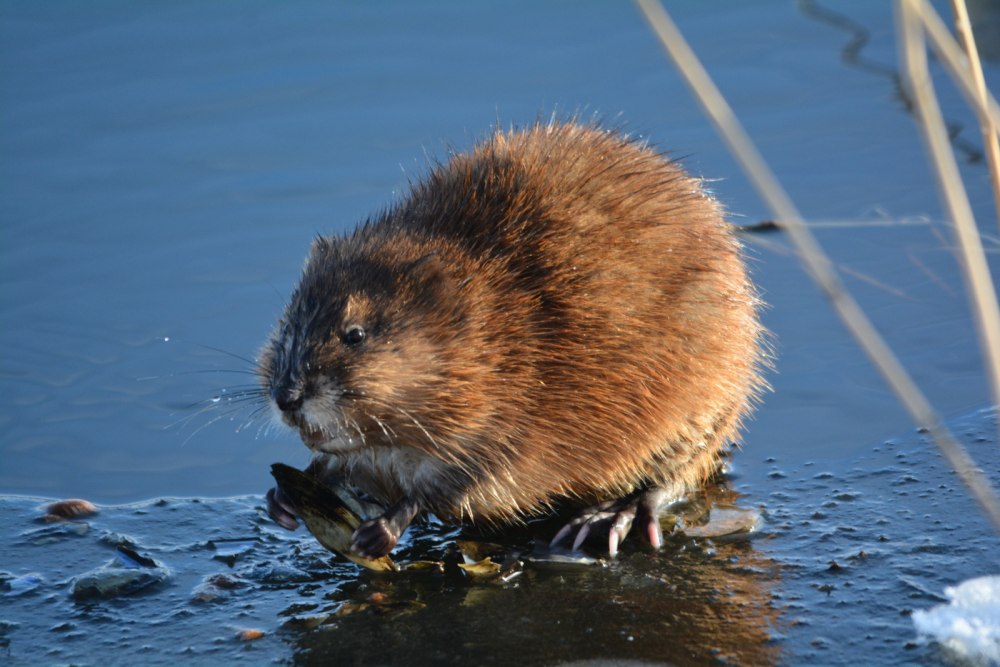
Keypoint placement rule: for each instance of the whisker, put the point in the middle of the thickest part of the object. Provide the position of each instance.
(230, 354)
(208, 423)
(250, 420)
(382, 425)
(228, 402)
(207, 404)
(235, 371)
(240, 397)
(267, 426)
(357, 429)
(446, 455)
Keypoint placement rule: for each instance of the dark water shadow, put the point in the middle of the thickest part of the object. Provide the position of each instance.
(844, 556)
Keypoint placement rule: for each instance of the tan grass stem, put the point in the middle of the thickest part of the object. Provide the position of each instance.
(991, 144)
(979, 283)
(816, 263)
(954, 60)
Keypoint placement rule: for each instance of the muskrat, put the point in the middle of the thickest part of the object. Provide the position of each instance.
(561, 313)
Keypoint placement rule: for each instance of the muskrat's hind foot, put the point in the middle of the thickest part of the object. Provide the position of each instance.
(617, 517)
(377, 537)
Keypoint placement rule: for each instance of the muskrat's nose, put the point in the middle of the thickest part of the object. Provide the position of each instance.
(288, 399)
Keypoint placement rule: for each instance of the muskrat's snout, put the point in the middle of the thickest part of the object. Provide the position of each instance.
(290, 396)
(287, 396)
(290, 399)
(289, 404)
(282, 377)
(306, 400)
(285, 391)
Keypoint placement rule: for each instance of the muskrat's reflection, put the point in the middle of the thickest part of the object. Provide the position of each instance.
(697, 601)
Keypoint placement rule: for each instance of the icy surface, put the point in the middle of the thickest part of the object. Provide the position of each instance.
(843, 557)
(970, 623)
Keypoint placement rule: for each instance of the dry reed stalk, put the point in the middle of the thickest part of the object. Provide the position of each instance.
(816, 263)
(991, 145)
(911, 17)
(954, 60)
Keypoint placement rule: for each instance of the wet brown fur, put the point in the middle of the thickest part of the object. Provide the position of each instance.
(561, 312)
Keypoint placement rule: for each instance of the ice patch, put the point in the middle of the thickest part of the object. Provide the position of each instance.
(969, 624)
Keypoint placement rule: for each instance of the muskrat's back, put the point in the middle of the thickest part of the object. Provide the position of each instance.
(561, 312)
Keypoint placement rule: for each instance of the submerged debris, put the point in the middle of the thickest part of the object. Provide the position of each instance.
(380, 604)
(217, 588)
(274, 574)
(484, 560)
(26, 583)
(559, 560)
(435, 566)
(127, 573)
(231, 550)
(482, 568)
(727, 523)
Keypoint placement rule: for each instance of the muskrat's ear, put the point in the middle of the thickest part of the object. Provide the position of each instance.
(430, 271)
(426, 267)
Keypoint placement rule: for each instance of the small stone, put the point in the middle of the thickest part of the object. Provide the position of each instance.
(250, 634)
(73, 508)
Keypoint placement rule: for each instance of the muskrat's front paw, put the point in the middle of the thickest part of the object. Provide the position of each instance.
(281, 509)
(374, 539)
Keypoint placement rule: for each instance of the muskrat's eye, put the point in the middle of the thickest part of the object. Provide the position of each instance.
(354, 335)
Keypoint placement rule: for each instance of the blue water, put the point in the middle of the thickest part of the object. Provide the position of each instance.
(163, 168)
